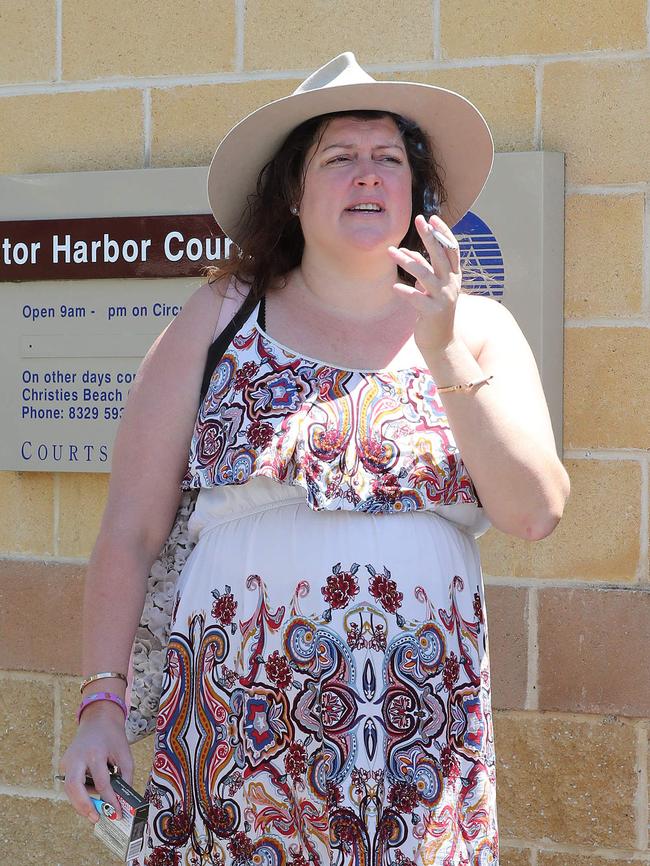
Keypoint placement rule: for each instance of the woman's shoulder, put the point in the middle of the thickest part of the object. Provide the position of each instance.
(188, 335)
(207, 298)
(480, 318)
(476, 309)
(204, 307)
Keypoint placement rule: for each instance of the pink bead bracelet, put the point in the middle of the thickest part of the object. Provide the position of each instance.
(101, 696)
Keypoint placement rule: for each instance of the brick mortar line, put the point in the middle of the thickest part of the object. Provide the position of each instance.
(642, 791)
(236, 77)
(631, 322)
(240, 30)
(621, 189)
(519, 844)
(38, 677)
(44, 558)
(437, 42)
(606, 454)
(146, 126)
(532, 671)
(559, 583)
(524, 715)
(606, 54)
(647, 23)
(32, 793)
(538, 133)
(533, 857)
(58, 63)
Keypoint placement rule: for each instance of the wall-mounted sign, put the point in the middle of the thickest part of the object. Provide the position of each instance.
(110, 247)
(93, 265)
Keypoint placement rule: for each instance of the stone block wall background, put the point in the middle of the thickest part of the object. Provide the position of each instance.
(94, 85)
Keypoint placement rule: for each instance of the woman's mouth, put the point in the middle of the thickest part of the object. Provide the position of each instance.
(365, 207)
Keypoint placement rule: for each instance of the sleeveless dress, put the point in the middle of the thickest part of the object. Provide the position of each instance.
(326, 695)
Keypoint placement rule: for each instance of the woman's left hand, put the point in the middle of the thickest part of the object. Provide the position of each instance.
(437, 286)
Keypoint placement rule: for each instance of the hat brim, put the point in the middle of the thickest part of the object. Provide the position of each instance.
(462, 141)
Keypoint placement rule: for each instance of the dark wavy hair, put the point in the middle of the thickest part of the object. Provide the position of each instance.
(271, 239)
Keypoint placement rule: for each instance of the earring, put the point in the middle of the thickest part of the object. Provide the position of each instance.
(294, 209)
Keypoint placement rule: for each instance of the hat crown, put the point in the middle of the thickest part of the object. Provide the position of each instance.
(341, 70)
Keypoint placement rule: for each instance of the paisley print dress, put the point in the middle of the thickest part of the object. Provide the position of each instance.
(326, 695)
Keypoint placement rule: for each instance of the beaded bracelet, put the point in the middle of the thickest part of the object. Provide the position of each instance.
(102, 696)
(113, 675)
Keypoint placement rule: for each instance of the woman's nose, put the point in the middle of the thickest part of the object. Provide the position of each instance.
(367, 177)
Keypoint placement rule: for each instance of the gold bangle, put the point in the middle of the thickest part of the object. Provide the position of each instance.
(466, 387)
(102, 676)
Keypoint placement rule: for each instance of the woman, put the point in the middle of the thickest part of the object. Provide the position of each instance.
(327, 688)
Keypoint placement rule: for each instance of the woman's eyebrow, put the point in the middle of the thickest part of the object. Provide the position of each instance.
(375, 147)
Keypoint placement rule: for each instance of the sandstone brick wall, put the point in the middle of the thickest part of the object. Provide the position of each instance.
(86, 84)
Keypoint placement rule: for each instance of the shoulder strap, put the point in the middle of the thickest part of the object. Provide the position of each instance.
(217, 349)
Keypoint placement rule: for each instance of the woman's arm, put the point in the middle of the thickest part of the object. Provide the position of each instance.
(149, 460)
(502, 429)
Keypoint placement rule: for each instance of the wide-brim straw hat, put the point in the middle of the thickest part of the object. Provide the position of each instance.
(461, 138)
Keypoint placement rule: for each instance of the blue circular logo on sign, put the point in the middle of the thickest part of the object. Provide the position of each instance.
(480, 257)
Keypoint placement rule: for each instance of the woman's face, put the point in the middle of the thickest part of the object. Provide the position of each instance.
(357, 187)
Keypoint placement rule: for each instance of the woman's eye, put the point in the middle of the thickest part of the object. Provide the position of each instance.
(343, 157)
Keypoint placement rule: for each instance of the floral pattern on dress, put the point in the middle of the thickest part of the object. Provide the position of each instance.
(374, 442)
(348, 735)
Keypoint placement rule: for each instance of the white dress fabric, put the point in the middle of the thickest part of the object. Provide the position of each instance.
(326, 697)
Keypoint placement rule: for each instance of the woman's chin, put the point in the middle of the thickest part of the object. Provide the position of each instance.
(369, 240)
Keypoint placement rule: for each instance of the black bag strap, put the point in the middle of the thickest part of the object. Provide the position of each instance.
(217, 349)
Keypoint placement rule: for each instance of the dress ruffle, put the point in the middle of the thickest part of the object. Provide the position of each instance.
(355, 440)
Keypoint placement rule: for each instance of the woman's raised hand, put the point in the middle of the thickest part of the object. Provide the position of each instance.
(437, 286)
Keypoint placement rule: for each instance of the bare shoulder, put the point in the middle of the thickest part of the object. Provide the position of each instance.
(201, 310)
(190, 333)
(171, 371)
(482, 320)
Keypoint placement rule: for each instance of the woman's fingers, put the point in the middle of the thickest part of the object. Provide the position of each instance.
(421, 301)
(418, 257)
(414, 264)
(102, 780)
(77, 792)
(443, 259)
